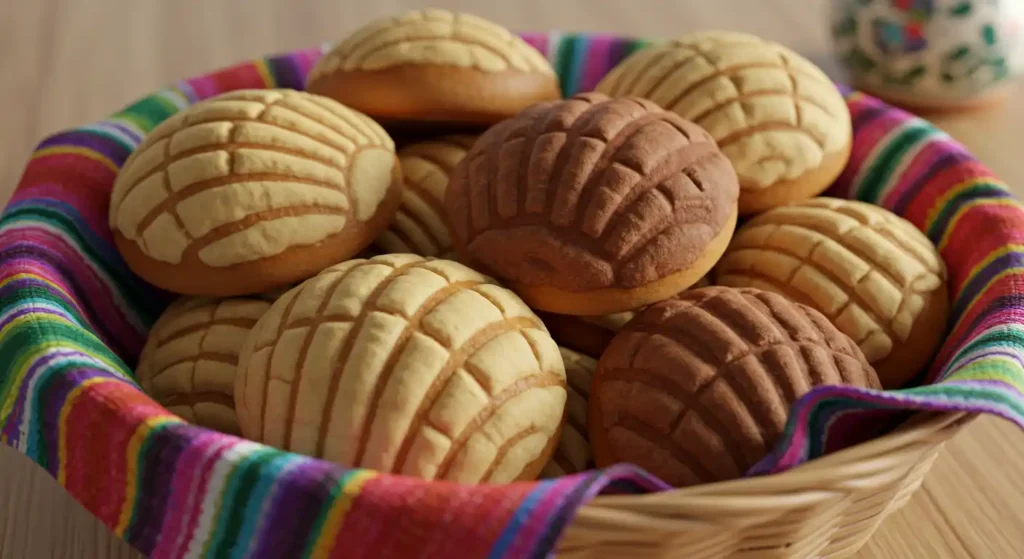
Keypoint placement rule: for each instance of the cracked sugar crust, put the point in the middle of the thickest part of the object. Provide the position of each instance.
(189, 361)
(588, 193)
(871, 272)
(249, 174)
(408, 365)
(436, 37)
(775, 114)
(573, 452)
(698, 389)
(420, 226)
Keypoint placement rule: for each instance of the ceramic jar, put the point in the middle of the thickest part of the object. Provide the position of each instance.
(930, 54)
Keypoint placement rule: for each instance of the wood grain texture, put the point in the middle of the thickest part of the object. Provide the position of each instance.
(68, 62)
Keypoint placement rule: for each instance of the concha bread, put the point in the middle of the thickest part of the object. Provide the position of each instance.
(252, 190)
(573, 452)
(435, 65)
(436, 37)
(190, 358)
(420, 226)
(592, 205)
(697, 389)
(407, 365)
(778, 117)
(878, 278)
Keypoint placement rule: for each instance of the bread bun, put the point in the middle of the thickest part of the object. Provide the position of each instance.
(698, 389)
(406, 365)
(421, 226)
(190, 358)
(253, 190)
(592, 205)
(435, 66)
(876, 277)
(777, 116)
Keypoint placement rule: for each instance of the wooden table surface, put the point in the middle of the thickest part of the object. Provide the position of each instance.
(68, 62)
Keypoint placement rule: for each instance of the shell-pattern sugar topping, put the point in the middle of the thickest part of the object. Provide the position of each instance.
(573, 452)
(229, 178)
(594, 191)
(189, 361)
(867, 269)
(700, 387)
(773, 113)
(420, 225)
(433, 36)
(404, 364)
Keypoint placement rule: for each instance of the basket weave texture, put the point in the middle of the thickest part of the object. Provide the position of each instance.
(73, 319)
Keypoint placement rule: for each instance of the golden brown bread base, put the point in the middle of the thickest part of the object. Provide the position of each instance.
(616, 299)
(910, 357)
(193, 277)
(424, 92)
(808, 185)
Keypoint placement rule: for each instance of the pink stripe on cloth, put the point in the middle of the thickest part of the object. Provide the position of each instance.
(596, 62)
(92, 210)
(188, 486)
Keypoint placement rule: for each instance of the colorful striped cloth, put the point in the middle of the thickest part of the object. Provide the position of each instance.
(73, 319)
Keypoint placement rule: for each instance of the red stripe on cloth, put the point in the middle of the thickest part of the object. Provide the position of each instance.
(437, 519)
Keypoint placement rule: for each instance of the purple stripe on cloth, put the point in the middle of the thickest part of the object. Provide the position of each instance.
(596, 62)
(94, 141)
(186, 90)
(33, 309)
(938, 161)
(12, 428)
(10, 289)
(916, 164)
(618, 51)
(298, 499)
(303, 61)
(102, 312)
(206, 448)
(981, 280)
(158, 459)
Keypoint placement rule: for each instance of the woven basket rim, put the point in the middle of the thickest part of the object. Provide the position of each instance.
(744, 502)
(924, 429)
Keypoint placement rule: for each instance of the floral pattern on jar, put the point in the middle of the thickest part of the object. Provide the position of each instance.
(933, 49)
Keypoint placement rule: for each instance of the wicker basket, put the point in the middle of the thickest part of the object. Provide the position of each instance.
(72, 319)
(826, 508)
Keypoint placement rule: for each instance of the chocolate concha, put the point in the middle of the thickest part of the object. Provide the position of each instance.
(253, 190)
(407, 365)
(430, 66)
(190, 358)
(572, 455)
(779, 118)
(420, 226)
(877, 278)
(697, 389)
(591, 205)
